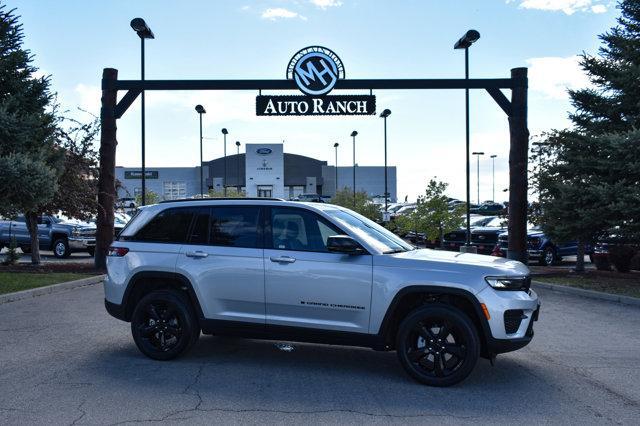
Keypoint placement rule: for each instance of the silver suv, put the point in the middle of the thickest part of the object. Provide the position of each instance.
(309, 272)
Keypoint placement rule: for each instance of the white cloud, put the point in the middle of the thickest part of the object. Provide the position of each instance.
(569, 7)
(552, 75)
(323, 4)
(89, 97)
(279, 12)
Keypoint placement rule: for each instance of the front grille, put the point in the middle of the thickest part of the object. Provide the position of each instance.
(455, 236)
(88, 233)
(488, 238)
(512, 320)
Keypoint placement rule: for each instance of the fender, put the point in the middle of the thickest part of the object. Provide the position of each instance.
(415, 289)
(159, 277)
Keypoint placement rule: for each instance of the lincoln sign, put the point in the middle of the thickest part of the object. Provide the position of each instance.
(315, 71)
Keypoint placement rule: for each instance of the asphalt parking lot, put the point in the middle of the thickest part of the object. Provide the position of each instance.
(63, 360)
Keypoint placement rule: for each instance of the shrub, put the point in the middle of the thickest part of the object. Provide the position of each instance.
(12, 254)
(620, 256)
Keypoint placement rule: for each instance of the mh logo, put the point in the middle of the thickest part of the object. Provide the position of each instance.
(315, 70)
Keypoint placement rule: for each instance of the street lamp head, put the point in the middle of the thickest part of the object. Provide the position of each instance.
(237, 143)
(200, 109)
(494, 156)
(467, 39)
(477, 153)
(335, 145)
(354, 133)
(225, 131)
(385, 113)
(141, 27)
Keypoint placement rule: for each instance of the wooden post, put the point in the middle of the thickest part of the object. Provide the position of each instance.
(107, 178)
(518, 162)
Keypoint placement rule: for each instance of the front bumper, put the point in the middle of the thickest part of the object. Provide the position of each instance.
(504, 335)
(115, 310)
(81, 243)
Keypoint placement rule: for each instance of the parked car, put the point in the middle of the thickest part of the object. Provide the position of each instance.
(126, 203)
(541, 248)
(61, 236)
(309, 272)
(311, 198)
(405, 209)
(453, 240)
(420, 238)
(485, 238)
(489, 209)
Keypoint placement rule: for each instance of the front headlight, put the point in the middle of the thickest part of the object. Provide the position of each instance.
(75, 232)
(509, 283)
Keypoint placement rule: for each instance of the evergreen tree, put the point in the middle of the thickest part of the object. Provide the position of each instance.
(29, 164)
(612, 104)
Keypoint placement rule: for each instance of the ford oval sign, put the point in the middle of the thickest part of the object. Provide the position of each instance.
(264, 151)
(315, 70)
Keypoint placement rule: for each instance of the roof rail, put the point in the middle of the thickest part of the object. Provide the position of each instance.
(184, 200)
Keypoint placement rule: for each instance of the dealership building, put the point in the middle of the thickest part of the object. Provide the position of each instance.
(264, 170)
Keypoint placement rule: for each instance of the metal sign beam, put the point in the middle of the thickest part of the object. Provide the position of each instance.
(369, 84)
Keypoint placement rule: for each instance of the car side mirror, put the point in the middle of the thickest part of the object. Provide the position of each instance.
(343, 244)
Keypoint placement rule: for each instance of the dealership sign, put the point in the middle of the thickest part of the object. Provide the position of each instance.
(315, 70)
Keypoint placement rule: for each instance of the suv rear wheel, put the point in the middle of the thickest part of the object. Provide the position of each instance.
(164, 325)
(548, 257)
(438, 345)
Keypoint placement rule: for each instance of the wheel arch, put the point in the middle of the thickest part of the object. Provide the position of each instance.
(144, 282)
(56, 236)
(411, 297)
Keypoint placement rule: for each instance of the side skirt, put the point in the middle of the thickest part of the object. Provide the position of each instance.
(291, 334)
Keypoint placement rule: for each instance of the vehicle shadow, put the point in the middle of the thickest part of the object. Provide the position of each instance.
(256, 375)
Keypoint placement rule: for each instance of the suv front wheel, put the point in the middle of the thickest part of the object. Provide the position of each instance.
(438, 345)
(164, 325)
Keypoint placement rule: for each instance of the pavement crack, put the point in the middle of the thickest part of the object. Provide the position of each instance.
(82, 413)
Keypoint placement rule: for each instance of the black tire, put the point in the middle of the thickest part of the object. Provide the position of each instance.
(548, 257)
(164, 313)
(25, 249)
(433, 365)
(61, 248)
(92, 252)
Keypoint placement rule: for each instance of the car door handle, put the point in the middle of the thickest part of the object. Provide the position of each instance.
(283, 259)
(196, 254)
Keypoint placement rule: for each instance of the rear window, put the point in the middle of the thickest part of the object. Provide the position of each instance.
(168, 226)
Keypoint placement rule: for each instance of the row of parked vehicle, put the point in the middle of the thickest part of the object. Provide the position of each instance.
(57, 233)
(489, 235)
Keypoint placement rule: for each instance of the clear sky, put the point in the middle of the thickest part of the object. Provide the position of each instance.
(223, 39)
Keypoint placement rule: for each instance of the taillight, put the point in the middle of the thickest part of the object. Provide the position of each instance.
(117, 251)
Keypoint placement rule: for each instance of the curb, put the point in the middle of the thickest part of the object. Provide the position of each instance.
(591, 294)
(54, 288)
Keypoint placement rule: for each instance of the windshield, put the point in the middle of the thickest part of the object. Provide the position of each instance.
(374, 234)
(497, 223)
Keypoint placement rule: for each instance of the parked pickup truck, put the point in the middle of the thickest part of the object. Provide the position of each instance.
(61, 236)
(541, 248)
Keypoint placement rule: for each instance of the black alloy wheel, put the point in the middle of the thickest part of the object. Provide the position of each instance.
(164, 325)
(438, 345)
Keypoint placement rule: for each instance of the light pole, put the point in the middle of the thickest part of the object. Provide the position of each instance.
(353, 135)
(386, 113)
(478, 154)
(336, 145)
(493, 177)
(238, 165)
(224, 179)
(200, 110)
(144, 32)
(465, 42)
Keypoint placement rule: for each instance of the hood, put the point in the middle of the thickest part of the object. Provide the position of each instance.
(442, 260)
(77, 224)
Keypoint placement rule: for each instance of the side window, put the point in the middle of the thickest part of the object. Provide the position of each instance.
(169, 226)
(200, 229)
(235, 226)
(301, 230)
